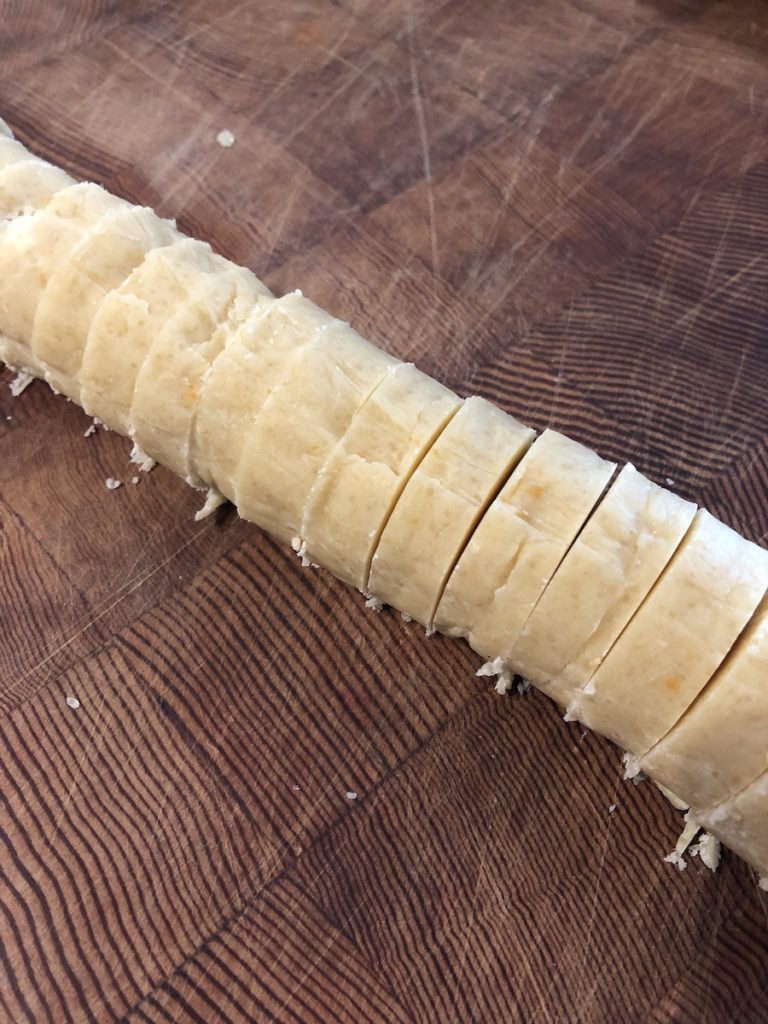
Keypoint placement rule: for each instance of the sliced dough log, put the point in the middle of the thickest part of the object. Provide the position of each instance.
(127, 323)
(602, 581)
(678, 638)
(441, 505)
(170, 381)
(742, 824)
(101, 262)
(520, 542)
(325, 384)
(368, 468)
(244, 374)
(721, 743)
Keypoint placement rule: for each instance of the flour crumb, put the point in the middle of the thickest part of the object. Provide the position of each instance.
(300, 547)
(9, 418)
(670, 482)
(295, 787)
(497, 668)
(113, 484)
(612, 809)
(708, 849)
(351, 794)
(225, 138)
(90, 431)
(632, 767)
(73, 702)
(20, 383)
(140, 458)
(214, 499)
(134, 479)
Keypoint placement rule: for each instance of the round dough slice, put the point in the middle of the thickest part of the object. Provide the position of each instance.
(520, 542)
(12, 151)
(368, 468)
(742, 824)
(27, 185)
(170, 381)
(325, 384)
(721, 743)
(243, 375)
(101, 262)
(441, 504)
(127, 323)
(604, 578)
(680, 635)
(32, 247)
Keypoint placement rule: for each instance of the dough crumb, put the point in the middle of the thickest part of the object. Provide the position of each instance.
(762, 883)
(73, 702)
(374, 604)
(351, 794)
(612, 809)
(670, 482)
(113, 484)
(708, 848)
(406, 617)
(524, 686)
(214, 499)
(134, 479)
(689, 833)
(300, 547)
(90, 430)
(225, 138)
(631, 766)
(20, 383)
(140, 458)
(497, 668)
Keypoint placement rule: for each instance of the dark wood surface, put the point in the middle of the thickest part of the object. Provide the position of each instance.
(560, 205)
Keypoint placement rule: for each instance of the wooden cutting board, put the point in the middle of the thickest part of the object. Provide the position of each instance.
(233, 792)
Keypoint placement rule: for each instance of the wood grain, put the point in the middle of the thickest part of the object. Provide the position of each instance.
(270, 803)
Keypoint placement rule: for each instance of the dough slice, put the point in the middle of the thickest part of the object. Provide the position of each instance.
(243, 375)
(33, 246)
(27, 185)
(721, 743)
(170, 381)
(678, 638)
(368, 468)
(101, 262)
(441, 504)
(742, 824)
(604, 578)
(520, 542)
(127, 323)
(12, 151)
(325, 384)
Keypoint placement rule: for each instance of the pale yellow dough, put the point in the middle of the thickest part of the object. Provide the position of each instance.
(101, 262)
(171, 379)
(325, 384)
(365, 473)
(721, 743)
(520, 542)
(742, 824)
(32, 246)
(12, 152)
(243, 375)
(127, 323)
(677, 639)
(441, 504)
(27, 185)
(603, 579)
